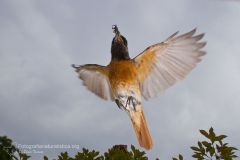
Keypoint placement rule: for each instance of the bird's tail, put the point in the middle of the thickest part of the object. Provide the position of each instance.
(140, 128)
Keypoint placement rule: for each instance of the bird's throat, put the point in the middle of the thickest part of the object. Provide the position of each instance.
(120, 56)
(119, 52)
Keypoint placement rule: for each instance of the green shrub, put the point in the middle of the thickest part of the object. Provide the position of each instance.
(213, 148)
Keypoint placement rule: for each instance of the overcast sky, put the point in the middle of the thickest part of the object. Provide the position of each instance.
(43, 102)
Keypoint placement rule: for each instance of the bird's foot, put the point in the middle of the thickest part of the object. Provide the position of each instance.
(131, 100)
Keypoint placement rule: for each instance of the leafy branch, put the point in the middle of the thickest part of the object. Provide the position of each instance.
(213, 148)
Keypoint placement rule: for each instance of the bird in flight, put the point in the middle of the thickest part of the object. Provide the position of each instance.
(126, 80)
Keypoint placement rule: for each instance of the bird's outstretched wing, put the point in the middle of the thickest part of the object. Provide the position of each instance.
(161, 65)
(95, 79)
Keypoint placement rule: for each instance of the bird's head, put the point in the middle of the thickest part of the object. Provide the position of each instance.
(119, 47)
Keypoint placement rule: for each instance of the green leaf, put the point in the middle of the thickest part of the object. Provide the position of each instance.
(133, 148)
(212, 135)
(174, 158)
(206, 144)
(225, 144)
(137, 154)
(180, 157)
(212, 151)
(195, 148)
(197, 155)
(221, 137)
(200, 145)
(63, 156)
(204, 133)
(221, 143)
(218, 148)
(85, 150)
(233, 148)
(211, 130)
(45, 157)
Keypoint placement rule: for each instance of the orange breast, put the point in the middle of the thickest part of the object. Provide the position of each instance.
(123, 75)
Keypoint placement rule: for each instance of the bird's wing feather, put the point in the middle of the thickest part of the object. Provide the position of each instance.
(163, 64)
(95, 78)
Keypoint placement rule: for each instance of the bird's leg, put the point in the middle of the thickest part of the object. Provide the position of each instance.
(127, 102)
(130, 100)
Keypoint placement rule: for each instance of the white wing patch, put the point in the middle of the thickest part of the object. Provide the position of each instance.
(95, 81)
(174, 61)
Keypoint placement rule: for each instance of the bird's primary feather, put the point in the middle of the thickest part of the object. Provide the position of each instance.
(163, 64)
